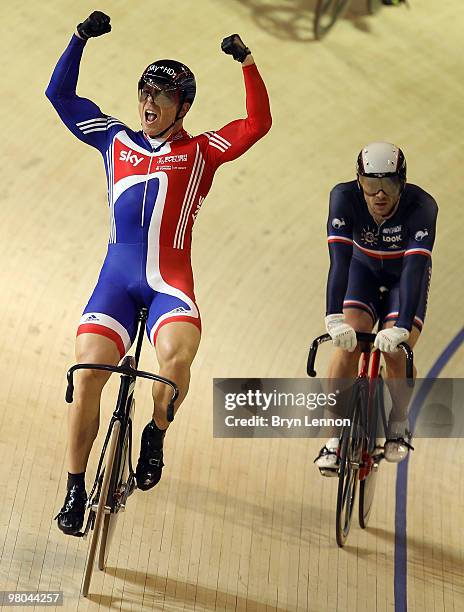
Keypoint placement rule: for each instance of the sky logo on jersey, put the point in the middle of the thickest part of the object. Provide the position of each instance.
(130, 157)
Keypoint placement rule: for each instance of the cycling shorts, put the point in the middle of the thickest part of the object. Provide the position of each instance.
(363, 293)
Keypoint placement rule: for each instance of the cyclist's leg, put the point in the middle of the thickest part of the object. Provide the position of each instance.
(176, 346)
(84, 414)
(398, 427)
(396, 362)
(395, 375)
(105, 333)
(343, 367)
(359, 309)
(398, 434)
(83, 421)
(174, 329)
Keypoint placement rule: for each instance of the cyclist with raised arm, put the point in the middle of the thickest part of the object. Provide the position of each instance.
(381, 231)
(157, 180)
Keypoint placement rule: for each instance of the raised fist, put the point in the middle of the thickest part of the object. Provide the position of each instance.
(95, 25)
(233, 45)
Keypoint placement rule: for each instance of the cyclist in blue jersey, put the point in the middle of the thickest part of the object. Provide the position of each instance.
(158, 178)
(381, 232)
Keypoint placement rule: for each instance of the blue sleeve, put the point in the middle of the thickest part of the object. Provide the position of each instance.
(83, 118)
(421, 229)
(340, 239)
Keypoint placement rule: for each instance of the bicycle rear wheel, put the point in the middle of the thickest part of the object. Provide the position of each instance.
(367, 485)
(326, 14)
(100, 512)
(350, 457)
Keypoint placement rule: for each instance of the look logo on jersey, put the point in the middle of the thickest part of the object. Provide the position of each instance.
(392, 235)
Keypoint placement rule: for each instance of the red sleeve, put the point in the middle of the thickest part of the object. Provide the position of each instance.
(236, 137)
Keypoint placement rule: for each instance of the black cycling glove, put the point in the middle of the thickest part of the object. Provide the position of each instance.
(233, 45)
(95, 25)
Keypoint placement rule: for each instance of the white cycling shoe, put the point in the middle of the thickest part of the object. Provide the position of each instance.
(397, 444)
(328, 460)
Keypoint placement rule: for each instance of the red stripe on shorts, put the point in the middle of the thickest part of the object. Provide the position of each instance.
(101, 330)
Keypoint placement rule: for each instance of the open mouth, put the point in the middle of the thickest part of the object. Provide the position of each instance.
(150, 117)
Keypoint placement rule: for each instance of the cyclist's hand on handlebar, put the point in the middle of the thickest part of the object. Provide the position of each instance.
(387, 340)
(342, 334)
(234, 45)
(95, 25)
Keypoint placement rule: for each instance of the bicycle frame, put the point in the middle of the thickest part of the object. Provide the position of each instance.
(358, 459)
(368, 358)
(372, 376)
(129, 372)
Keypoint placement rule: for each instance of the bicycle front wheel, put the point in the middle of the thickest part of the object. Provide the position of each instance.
(100, 512)
(367, 485)
(350, 457)
(326, 14)
(120, 477)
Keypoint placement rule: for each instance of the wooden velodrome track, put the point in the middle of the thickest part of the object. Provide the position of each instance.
(234, 524)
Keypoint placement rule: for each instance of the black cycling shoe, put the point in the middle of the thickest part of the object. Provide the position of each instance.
(71, 516)
(150, 464)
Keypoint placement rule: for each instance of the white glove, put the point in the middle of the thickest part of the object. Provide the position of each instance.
(342, 334)
(387, 340)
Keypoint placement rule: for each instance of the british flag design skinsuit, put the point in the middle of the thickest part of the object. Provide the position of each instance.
(396, 254)
(155, 190)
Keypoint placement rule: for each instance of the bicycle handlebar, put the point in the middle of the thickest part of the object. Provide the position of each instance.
(362, 337)
(122, 370)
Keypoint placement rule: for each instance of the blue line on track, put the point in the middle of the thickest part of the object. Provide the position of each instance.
(401, 553)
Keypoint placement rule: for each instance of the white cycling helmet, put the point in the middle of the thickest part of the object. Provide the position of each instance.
(381, 159)
(381, 166)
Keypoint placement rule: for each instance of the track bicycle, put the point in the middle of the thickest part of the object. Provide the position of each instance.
(115, 477)
(359, 451)
(327, 12)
